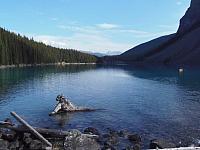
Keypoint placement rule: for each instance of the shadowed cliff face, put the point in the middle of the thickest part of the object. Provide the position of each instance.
(191, 17)
(181, 48)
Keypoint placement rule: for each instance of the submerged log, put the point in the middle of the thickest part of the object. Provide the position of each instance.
(32, 130)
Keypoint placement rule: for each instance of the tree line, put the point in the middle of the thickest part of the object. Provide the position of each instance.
(16, 49)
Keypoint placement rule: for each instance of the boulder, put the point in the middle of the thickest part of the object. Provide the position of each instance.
(14, 145)
(108, 146)
(8, 135)
(161, 144)
(112, 139)
(36, 144)
(27, 138)
(9, 121)
(78, 141)
(134, 138)
(3, 144)
(91, 130)
(137, 147)
(123, 133)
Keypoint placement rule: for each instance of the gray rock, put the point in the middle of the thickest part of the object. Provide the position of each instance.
(0, 134)
(27, 135)
(36, 144)
(14, 145)
(123, 133)
(113, 139)
(137, 147)
(161, 144)
(91, 130)
(108, 146)
(8, 120)
(76, 141)
(8, 135)
(134, 138)
(21, 147)
(3, 144)
(27, 138)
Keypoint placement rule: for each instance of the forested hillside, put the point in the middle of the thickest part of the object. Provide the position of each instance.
(15, 49)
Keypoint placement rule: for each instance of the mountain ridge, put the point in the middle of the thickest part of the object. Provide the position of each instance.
(180, 48)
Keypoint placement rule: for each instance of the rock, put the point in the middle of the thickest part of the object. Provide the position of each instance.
(3, 144)
(107, 146)
(0, 134)
(75, 140)
(161, 144)
(27, 138)
(8, 120)
(36, 144)
(8, 135)
(137, 147)
(21, 147)
(27, 135)
(134, 138)
(91, 130)
(123, 133)
(113, 140)
(14, 145)
(129, 148)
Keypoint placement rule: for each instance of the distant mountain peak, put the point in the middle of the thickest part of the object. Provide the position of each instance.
(191, 17)
(181, 48)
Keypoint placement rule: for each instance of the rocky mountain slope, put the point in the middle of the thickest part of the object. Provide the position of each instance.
(181, 48)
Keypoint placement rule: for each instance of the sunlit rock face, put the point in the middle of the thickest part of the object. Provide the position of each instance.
(191, 19)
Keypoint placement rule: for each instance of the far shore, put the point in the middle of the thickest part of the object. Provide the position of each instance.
(43, 64)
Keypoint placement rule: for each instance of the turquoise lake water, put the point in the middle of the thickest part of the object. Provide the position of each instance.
(153, 102)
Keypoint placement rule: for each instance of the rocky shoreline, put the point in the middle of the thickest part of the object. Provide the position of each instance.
(111, 140)
(26, 137)
(44, 64)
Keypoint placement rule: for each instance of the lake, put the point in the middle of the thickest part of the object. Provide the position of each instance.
(155, 103)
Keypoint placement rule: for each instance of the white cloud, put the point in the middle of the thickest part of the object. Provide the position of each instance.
(96, 39)
(93, 38)
(107, 26)
(178, 3)
(54, 19)
(85, 42)
(82, 29)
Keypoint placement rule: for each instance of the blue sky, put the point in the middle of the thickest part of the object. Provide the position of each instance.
(92, 25)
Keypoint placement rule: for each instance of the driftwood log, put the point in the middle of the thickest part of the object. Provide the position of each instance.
(31, 129)
(43, 131)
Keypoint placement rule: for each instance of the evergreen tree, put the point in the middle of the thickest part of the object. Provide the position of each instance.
(15, 49)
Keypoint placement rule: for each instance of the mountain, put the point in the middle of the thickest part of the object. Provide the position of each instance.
(15, 49)
(180, 48)
(99, 54)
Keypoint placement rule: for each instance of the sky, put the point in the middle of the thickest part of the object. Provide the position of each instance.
(92, 25)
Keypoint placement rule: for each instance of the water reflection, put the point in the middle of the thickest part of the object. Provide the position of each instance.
(12, 79)
(63, 118)
(154, 102)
